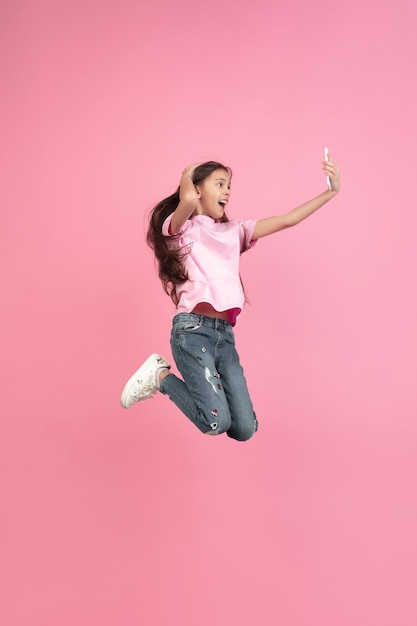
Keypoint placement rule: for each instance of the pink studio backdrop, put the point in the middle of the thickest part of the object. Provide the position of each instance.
(133, 517)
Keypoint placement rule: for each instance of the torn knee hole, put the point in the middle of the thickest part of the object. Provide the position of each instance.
(213, 431)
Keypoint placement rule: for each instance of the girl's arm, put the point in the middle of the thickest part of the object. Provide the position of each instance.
(271, 225)
(188, 200)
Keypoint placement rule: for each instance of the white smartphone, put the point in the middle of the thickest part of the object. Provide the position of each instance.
(326, 158)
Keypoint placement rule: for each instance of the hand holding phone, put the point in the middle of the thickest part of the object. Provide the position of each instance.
(326, 158)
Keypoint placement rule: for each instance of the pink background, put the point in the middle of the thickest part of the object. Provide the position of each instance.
(133, 517)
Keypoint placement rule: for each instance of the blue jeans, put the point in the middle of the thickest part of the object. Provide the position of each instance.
(213, 393)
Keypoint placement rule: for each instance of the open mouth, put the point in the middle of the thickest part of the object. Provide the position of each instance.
(223, 203)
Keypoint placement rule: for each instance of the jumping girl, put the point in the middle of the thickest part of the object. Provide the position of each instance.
(198, 248)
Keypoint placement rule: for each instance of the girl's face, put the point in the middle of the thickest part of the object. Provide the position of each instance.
(214, 194)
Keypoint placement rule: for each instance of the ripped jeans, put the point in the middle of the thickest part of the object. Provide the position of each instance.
(213, 393)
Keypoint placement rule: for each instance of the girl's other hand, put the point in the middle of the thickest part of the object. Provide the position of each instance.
(189, 171)
(332, 171)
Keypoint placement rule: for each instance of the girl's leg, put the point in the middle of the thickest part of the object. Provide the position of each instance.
(243, 419)
(200, 395)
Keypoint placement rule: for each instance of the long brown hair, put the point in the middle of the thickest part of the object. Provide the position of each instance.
(170, 258)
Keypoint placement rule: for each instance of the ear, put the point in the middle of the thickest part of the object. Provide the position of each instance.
(198, 190)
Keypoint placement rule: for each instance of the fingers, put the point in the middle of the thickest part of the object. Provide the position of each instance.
(332, 171)
(330, 167)
(190, 168)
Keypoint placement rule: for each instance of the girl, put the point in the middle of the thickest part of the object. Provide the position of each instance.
(197, 248)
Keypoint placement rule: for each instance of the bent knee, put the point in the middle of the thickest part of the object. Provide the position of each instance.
(243, 432)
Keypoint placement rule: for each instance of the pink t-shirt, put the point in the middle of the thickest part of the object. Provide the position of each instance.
(212, 262)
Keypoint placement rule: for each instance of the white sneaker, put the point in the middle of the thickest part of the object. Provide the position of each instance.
(144, 382)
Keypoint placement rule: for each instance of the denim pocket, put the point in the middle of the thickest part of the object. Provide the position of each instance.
(187, 327)
(187, 323)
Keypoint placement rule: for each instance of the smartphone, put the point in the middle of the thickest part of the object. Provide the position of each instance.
(326, 158)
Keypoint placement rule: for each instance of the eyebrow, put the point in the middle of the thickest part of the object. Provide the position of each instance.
(225, 180)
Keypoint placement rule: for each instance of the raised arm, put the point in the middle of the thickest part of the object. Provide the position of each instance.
(273, 224)
(188, 200)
